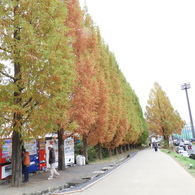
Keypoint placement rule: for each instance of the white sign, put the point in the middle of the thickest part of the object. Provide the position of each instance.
(6, 171)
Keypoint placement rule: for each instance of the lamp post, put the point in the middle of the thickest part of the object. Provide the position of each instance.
(186, 86)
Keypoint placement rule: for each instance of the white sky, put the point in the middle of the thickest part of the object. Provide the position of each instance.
(153, 40)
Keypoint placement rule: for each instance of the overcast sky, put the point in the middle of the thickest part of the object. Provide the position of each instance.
(153, 41)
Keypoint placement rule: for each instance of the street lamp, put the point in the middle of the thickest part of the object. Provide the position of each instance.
(186, 86)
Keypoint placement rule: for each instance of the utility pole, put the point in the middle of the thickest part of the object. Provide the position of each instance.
(186, 86)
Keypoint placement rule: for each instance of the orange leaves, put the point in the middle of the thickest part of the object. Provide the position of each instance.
(161, 116)
(71, 78)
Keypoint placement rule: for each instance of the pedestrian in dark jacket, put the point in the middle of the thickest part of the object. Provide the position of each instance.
(155, 145)
(52, 162)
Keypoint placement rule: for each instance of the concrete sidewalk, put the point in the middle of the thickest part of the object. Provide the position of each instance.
(149, 172)
(38, 183)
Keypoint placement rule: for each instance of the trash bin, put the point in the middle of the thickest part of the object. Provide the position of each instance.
(80, 160)
(83, 160)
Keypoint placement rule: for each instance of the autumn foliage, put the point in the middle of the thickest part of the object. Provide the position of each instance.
(36, 70)
(56, 70)
(161, 117)
(104, 105)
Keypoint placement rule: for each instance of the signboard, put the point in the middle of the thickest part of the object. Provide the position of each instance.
(6, 171)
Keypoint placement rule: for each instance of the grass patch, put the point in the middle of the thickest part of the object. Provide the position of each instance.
(185, 162)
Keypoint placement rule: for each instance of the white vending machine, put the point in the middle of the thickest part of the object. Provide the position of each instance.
(69, 151)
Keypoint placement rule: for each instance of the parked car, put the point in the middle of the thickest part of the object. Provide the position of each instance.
(189, 147)
(179, 149)
(192, 140)
(186, 142)
(181, 144)
(176, 142)
(185, 153)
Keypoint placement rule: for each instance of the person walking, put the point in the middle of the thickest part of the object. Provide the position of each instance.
(25, 164)
(155, 145)
(52, 163)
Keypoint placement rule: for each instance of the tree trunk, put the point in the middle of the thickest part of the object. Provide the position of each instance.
(85, 152)
(127, 147)
(16, 160)
(124, 148)
(120, 149)
(16, 179)
(116, 151)
(109, 152)
(61, 154)
(100, 151)
(166, 141)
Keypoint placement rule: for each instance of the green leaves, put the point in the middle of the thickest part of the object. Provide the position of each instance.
(39, 51)
(63, 74)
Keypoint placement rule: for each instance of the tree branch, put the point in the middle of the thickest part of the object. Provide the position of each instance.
(24, 105)
(30, 109)
(5, 74)
(1, 48)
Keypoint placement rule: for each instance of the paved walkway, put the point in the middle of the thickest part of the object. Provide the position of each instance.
(149, 172)
(38, 182)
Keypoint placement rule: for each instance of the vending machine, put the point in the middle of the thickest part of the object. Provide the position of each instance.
(31, 146)
(69, 151)
(5, 159)
(41, 155)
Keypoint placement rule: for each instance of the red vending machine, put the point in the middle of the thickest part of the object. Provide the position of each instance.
(42, 155)
(5, 159)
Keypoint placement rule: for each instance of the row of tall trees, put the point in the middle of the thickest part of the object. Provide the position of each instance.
(104, 105)
(57, 74)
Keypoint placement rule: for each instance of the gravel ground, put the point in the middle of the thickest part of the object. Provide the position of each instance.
(39, 185)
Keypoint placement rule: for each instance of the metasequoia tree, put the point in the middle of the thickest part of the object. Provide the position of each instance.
(161, 117)
(36, 71)
(117, 119)
(114, 98)
(85, 96)
(140, 124)
(99, 128)
(74, 21)
(118, 109)
(99, 104)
